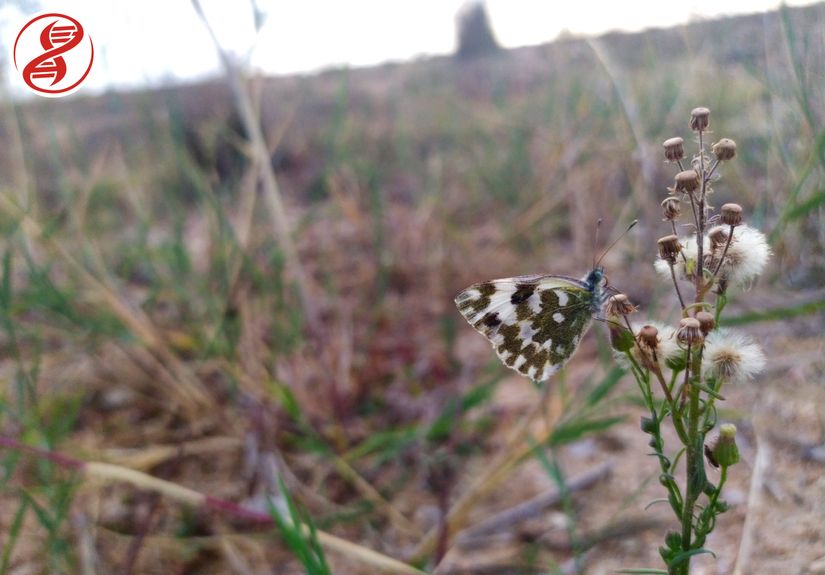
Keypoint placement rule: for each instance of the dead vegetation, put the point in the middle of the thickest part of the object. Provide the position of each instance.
(148, 321)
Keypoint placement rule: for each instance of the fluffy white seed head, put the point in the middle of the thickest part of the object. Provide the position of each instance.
(746, 257)
(731, 356)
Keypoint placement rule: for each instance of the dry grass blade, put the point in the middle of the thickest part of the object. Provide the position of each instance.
(184, 385)
(107, 473)
(261, 159)
(514, 450)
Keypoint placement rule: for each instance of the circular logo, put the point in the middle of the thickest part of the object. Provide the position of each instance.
(53, 54)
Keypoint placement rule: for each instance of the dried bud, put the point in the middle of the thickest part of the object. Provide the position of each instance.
(723, 450)
(718, 237)
(731, 214)
(699, 119)
(689, 332)
(671, 208)
(674, 149)
(724, 149)
(669, 248)
(706, 321)
(649, 337)
(687, 181)
(619, 305)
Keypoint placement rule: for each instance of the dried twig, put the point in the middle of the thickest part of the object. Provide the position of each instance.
(532, 507)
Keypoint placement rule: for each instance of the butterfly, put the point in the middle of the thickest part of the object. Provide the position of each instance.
(536, 322)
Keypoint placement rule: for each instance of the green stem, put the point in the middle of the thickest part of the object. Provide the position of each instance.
(723, 476)
(694, 463)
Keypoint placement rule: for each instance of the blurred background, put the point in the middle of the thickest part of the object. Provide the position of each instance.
(229, 261)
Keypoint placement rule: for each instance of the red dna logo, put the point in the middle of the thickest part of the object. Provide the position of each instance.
(57, 53)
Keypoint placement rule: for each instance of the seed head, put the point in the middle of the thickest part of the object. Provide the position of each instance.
(671, 208)
(699, 119)
(687, 181)
(746, 256)
(724, 149)
(731, 356)
(689, 332)
(723, 450)
(669, 248)
(674, 149)
(731, 214)
(706, 322)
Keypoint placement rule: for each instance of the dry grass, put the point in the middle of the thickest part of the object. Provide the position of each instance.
(149, 321)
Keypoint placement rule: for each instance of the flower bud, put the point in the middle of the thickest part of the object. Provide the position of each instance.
(699, 119)
(673, 539)
(621, 338)
(669, 248)
(687, 181)
(619, 305)
(649, 425)
(731, 214)
(706, 321)
(724, 450)
(724, 149)
(671, 208)
(689, 332)
(674, 149)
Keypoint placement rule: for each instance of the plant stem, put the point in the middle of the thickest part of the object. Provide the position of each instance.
(694, 464)
(724, 253)
(676, 285)
(700, 224)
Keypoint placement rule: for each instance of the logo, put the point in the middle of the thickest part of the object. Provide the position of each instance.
(53, 54)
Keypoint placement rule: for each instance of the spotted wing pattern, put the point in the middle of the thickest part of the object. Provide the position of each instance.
(535, 323)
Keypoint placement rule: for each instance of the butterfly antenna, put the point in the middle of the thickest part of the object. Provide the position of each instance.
(614, 242)
(596, 240)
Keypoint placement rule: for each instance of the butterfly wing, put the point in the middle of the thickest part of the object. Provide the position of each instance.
(535, 323)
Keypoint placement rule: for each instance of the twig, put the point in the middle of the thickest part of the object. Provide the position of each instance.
(760, 465)
(532, 507)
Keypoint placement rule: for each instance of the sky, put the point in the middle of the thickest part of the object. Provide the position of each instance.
(151, 42)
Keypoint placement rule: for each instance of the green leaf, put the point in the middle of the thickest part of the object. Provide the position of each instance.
(299, 534)
(643, 571)
(578, 428)
(707, 390)
(775, 314)
(611, 379)
(14, 533)
(446, 421)
(685, 555)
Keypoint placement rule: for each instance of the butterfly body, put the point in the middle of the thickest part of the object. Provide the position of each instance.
(535, 323)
